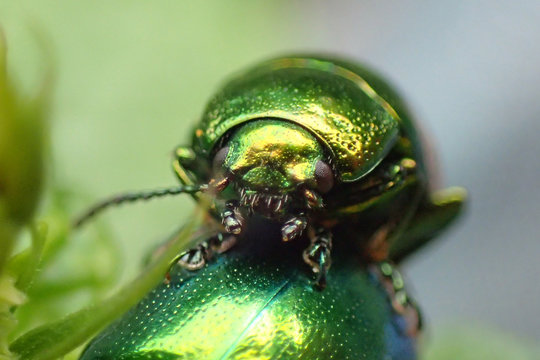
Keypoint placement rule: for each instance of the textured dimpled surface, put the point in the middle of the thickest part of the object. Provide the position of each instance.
(357, 126)
(242, 308)
(272, 154)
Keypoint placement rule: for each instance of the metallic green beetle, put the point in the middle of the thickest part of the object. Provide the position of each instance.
(322, 146)
(323, 149)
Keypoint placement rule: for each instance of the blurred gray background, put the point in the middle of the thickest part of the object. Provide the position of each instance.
(134, 75)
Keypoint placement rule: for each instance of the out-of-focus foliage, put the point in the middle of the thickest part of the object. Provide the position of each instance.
(57, 338)
(22, 136)
(68, 277)
(36, 284)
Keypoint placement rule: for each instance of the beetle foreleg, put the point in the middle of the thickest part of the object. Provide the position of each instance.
(317, 255)
(231, 218)
(196, 258)
(397, 173)
(294, 227)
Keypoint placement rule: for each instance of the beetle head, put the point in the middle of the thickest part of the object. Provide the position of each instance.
(275, 164)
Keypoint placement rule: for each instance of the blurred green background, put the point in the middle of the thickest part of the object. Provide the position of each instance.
(133, 76)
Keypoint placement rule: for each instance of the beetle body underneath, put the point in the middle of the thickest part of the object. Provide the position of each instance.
(255, 302)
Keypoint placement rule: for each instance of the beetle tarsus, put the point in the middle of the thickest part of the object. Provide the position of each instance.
(317, 255)
(399, 299)
(231, 218)
(398, 172)
(293, 228)
(324, 258)
(197, 257)
(221, 242)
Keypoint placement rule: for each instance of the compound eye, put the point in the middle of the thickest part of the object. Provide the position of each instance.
(219, 158)
(324, 177)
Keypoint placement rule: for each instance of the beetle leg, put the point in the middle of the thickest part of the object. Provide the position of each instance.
(317, 255)
(221, 242)
(197, 257)
(184, 164)
(396, 173)
(231, 218)
(378, 246)
(389, 176)
(294, 227)
(386, 180)
(400, 301)
(313, 200)
(437, 211)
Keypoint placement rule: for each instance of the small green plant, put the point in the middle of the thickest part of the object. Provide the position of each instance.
(23, 130)
(34, 236)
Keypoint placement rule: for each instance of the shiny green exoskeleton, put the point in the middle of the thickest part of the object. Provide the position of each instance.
(325, 153)
(324, 147)
(255, 302)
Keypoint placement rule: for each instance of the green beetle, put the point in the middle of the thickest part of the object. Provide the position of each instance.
(322, 149)
(323, 146)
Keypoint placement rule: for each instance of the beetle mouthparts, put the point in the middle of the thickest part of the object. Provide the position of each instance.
(313, 200)
(266, 204)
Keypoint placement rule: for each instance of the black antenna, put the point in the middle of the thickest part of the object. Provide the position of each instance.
(131, 197)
